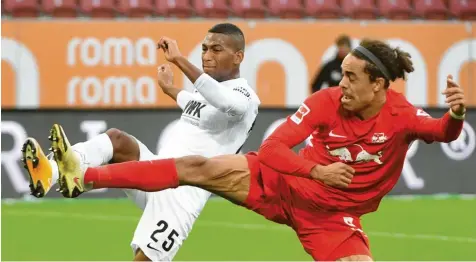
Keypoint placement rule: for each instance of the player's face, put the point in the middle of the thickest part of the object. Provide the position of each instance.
(219, 58)
(358, 92)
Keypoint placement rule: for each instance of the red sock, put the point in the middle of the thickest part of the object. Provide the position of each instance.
(148, 176)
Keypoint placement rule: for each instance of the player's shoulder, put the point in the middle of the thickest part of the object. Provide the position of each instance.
(241, 85)
(328, 97)
(400, 105)
(396, 98)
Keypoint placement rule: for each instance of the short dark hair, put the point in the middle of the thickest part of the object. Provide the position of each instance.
(397, 62)
(343, 40)
(230, 30)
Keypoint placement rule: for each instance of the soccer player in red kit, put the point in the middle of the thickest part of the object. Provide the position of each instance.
(360, 131)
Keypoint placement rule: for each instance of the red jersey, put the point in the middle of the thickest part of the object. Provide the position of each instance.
(374, 147)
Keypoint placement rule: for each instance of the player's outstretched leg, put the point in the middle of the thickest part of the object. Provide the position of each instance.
(38, 167)
(227, 176)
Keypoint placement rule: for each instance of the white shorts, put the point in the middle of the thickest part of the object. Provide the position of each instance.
(168, 216)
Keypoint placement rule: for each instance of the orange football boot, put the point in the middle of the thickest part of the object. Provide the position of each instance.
(38, 166)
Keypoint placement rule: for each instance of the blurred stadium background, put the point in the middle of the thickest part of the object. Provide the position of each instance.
(90, 65)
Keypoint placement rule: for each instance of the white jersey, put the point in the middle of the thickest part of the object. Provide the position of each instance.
(216, 120)
(206, 130)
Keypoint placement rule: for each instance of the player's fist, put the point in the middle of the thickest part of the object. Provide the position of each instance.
(454, 96)
(336, 174)
(170, 47)
(165, 76)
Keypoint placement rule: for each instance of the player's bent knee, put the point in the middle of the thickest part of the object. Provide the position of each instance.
(114, 134)
(140, 256)
(356, 258)
(125, 146)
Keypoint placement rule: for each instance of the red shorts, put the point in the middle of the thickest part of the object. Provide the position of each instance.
(325, 235)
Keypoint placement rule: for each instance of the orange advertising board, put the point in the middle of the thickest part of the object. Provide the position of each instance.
(97, 64)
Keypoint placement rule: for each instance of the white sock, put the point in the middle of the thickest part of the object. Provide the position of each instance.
(54, 169)
(96, 151)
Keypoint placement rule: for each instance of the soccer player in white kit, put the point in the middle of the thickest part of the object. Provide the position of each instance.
(216, 119)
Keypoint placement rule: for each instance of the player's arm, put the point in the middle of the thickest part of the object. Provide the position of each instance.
(233, 101)
(192, 72)
(444, 129)
(172, 92)
(182, 97)
(165, 80)
(276, 151)
(217, 95)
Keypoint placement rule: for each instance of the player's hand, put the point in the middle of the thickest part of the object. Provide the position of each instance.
(454, 96)
(336, 174)
(165, 76)
(170, 47)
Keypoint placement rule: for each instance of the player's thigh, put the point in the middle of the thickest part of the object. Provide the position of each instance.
(241, 179)
(227, 176)
(238, 178)
(167, 221)
(137, 196)
(335, 244)
(125, 147)
(354, 248)
(327, 235)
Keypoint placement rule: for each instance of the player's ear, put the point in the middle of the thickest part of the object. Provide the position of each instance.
(379, 84)
(238, 57)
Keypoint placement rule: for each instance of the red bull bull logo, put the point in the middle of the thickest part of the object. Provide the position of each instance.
(379, 138)
(355, 153)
